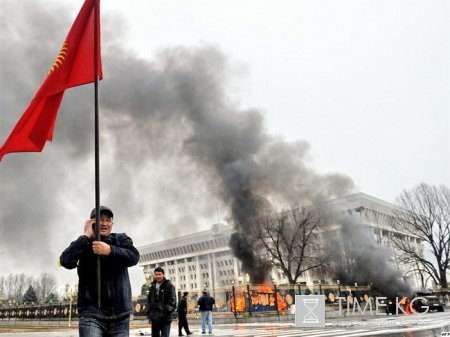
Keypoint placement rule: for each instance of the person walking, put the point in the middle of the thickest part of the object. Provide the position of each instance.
(162, 303)
(206, 304)
(182, 315)
(117, 253)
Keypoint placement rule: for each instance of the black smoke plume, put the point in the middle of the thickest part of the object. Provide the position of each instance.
(361, 259)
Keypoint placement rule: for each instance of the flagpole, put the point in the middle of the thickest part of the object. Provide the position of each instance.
(97, 146)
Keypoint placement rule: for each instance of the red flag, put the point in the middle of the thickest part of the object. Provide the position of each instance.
(73, 66)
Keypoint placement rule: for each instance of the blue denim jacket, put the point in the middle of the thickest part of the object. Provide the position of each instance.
(115, 283)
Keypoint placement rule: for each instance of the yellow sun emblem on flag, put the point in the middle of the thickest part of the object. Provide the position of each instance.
(60, 58)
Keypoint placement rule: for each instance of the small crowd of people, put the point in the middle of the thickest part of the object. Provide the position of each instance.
(107, 313)
(161, 301)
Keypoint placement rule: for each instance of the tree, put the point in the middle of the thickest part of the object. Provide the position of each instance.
(30, 296)
(13, 287)
(16, 285)
(424, 213)
(45, 285)
(51, 298)
(3, 297)
(292, 240)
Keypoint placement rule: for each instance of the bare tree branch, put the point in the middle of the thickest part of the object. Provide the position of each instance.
(424, 213)
(290, 238)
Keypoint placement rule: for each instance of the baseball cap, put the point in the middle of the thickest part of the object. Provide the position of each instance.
(103, 210)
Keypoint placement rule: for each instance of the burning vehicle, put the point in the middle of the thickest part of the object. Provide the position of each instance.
(424, 301)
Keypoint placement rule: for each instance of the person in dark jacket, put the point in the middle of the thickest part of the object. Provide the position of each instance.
(206, 304)
(182, 315)
(117, 253)
(162, 302)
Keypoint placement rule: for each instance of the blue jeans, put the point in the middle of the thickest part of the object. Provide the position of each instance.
(206, 318)
(94, 327)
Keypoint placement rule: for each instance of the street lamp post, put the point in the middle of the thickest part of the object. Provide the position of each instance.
(40, 312)
(70, 291)
(249, 300)
(339, 287)
(233, 290)
(240, 283)
(276, 298)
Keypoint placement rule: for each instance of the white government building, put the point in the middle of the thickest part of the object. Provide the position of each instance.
(204, 259)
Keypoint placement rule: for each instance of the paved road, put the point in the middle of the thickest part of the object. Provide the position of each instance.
(423, 325)
(411, 326)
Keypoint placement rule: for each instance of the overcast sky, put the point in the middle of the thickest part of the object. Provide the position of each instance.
(365, 84)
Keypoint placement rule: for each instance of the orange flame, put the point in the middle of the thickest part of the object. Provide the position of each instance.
(261, 296)
(406, 304)
(240, 301)
(268, 289)
(282, 305)
(265, 288)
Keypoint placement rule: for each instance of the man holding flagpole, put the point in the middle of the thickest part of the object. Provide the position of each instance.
(117, 253)
(78, 62)
(102, 257)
